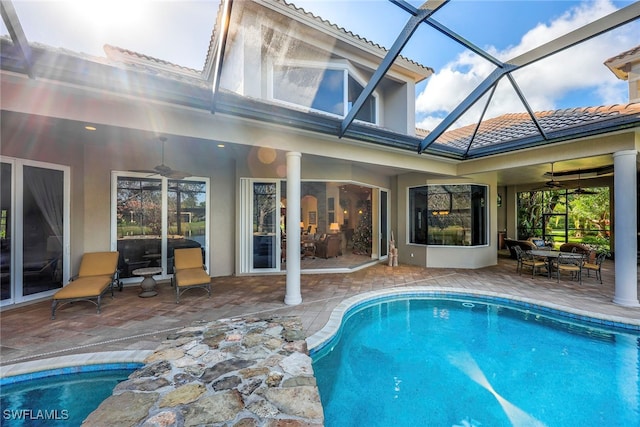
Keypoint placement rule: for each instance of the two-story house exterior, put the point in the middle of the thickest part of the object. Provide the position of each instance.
(135, 154)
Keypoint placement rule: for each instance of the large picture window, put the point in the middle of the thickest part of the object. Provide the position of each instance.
(155, 216)
(448, 215)
(332, 91)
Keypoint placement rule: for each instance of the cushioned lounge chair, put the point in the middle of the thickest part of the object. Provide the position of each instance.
(98, 273)
(189, 272)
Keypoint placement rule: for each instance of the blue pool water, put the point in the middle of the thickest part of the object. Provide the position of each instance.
(446, 362)
(58, 400)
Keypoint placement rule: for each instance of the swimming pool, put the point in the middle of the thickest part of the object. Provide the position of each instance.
(63, 400)
(62, 390)
(451, 360)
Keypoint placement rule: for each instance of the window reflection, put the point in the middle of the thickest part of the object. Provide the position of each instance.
(450, 215)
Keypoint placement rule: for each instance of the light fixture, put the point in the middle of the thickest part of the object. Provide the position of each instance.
(220, 145)
(301, 224)
(90, 128)
(334, 227)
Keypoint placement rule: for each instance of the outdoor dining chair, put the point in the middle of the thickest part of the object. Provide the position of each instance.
(518, 251)
(595, 266)
(569, 263)
(532, 262)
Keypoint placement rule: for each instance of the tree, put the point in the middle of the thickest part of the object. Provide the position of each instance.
(363, 232)
(591, 211)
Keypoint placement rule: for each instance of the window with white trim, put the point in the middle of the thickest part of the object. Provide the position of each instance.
(330, 90)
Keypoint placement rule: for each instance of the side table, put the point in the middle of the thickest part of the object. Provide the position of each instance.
(148, 284)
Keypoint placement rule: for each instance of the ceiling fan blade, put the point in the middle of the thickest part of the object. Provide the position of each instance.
(175, 174)
(148, 171)
(582, 191)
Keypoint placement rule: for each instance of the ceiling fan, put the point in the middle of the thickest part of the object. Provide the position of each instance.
(552, 183)
(164, 170)
(580, 190)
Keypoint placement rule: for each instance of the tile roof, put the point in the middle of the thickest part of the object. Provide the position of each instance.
(619, 64)
(520, 128)
(325, 22)
(141, 62)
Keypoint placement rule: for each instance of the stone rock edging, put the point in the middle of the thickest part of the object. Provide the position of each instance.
(249, 372)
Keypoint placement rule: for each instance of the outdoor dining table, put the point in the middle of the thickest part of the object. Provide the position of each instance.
(549, 255)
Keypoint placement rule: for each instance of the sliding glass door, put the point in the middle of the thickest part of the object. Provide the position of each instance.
(34, 221)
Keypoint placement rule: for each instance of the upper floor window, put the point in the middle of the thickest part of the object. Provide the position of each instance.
(329, 90)
(450, 215)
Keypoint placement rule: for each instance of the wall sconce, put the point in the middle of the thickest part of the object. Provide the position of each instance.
(334, 227)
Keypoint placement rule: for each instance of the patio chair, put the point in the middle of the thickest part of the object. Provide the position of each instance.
(532, 262)
(596, 266)
(98, 273)
(189, 272)
(569, 264)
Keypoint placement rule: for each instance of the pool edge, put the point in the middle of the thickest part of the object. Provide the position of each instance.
(317, 341)
(59, 363)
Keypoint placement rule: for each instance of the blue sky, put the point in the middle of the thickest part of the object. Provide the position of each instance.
(179, 32)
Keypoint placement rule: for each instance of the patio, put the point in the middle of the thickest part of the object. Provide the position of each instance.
(131, 323)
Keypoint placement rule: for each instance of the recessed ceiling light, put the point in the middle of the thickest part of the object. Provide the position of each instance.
(91, 128)
(220, 145)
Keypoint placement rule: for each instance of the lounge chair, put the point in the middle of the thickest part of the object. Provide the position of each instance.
(98, 273)
(189, 272)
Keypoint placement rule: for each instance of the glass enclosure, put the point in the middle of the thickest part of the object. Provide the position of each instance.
(562, 215)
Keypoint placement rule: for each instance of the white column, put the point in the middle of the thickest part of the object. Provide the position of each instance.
(293, 296)
(625, 189)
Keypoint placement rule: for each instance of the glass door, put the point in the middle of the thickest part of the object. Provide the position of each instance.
(6, 211)
(265, 218)
(384, 224)
(34, 219)
(43, 229)
(187, 217)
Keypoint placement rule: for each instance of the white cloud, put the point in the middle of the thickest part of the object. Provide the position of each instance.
(548, 84)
